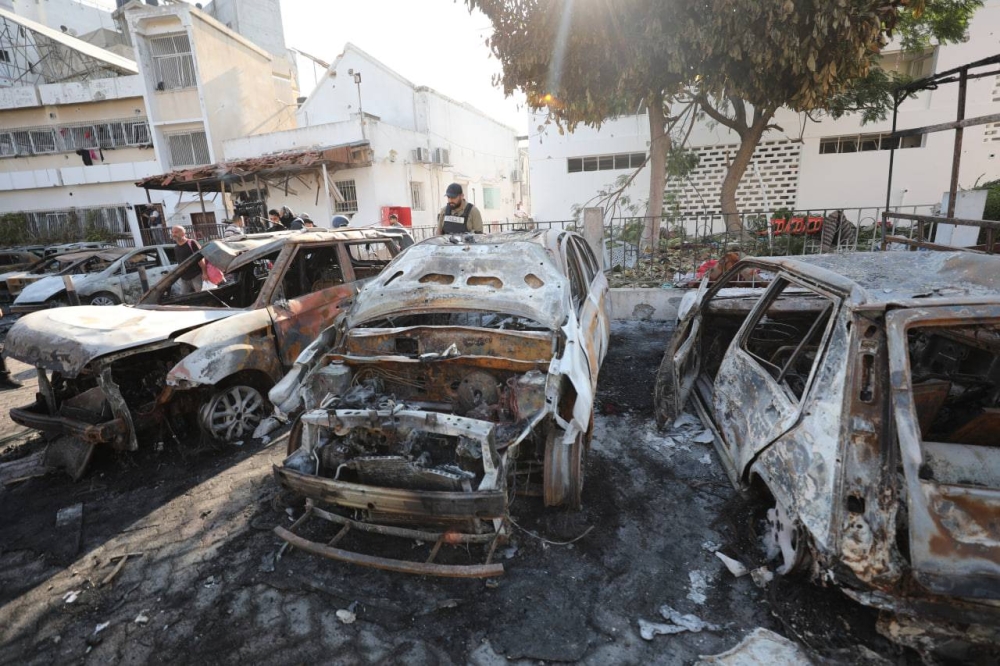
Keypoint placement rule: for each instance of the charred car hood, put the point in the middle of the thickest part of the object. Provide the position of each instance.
(47, 287)
(67, 339)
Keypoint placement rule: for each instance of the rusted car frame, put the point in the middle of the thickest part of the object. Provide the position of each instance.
(468, 368)
(861, 393)
(106, 374)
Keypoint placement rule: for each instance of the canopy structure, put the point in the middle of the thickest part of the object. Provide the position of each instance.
(37, 54)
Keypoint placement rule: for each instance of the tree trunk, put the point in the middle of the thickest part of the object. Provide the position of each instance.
(749, 140)
(659, 147)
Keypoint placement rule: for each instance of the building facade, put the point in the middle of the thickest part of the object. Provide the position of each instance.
(804, 165)
(421, 141)
(80, 123)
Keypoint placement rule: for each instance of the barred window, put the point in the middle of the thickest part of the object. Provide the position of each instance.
(43, 141)
(491, 198)
(417, 195)
(605, 162)
(859, 143)
(69, 138)
(173, 64)
(188, 149)
(347, 202)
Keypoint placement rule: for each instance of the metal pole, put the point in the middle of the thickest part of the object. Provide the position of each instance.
(326, 193)
(956, 157)
(204, 215)
(892, 160)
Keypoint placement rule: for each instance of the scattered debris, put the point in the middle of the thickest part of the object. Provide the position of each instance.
(711, 546)
(760, 646)
(706, 459)
(735, 567)
(69, 522)
(266, 427)
(25, 468)
(118, 567)
(762, 576)
(347, 615)
(101, 627)
(492, 583)
(70, 597)
(699, 584)
(704, 437)
(238, 443)
(677, 623)
(141, 618)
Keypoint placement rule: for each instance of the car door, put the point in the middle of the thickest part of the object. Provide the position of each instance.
(768, 369)
(590, 309)
(314, 284)
(165, 263)
(948, 445)
(129, 284)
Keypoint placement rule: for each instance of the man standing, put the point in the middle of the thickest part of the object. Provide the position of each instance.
(191, 279)
(459, 216)
(236, 227)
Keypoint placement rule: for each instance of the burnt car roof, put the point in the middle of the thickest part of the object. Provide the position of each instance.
(222, 253)
(880, 278)
(516, 273)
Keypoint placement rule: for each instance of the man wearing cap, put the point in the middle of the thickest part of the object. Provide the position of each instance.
(459, 216)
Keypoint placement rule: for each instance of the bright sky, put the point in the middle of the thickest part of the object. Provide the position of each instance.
(435, 43)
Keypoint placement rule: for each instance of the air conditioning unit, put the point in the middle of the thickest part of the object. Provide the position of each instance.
(421, 155)
(516, 176)
(442, 156)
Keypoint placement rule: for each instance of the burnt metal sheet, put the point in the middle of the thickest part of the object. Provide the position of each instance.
(67, 339)
(533, 287)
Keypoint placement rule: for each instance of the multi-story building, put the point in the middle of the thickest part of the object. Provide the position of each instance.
(74, 132)
(80, 123)
(806, 165)
(420, 141)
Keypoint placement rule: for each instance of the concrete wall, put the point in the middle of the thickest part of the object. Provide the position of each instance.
(828, 180)
(82, 92)
(79, 17)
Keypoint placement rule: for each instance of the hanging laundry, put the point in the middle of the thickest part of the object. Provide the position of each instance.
(85, 154)
(94, 157)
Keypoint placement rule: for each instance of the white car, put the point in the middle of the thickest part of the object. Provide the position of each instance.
(114, 279)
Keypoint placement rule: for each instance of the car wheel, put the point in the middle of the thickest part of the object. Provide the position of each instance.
(233, 413)
(785, 540)
(104, 298)
(664, 400)
(564, 470)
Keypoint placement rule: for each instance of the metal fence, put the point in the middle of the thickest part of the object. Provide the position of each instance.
(68, 225)
(687, 242)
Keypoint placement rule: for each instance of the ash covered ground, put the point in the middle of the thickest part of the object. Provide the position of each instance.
(202, 581)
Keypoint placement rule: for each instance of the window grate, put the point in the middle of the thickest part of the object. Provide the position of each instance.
(347, 202)
(605, 162)
(69, 138)
(189, 149)
(173, 64)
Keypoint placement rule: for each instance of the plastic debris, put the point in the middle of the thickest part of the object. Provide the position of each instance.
(347, 615)
(677, 623)
(685, 420)
(141, 618)
(760, 646)
(101, 627)
(699, 584)
(706, 459)
(239, 443)
(70, 597)
(735, 567)
(704, 437)
(762, 576)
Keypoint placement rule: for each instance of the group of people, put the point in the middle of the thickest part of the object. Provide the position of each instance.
(286, 220)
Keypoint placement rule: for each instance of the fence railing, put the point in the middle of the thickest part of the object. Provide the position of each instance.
(99, 223)
(687, 242)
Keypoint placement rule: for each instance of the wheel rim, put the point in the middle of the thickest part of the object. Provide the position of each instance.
(784, 540)
(102, 300)
(233, 413)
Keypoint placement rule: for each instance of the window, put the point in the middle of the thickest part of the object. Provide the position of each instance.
(43, 141)
(173, 64)
(788, 335)
(605, 162)
(369, 258)
(491, 198)
(346, 195)
(312, 269)
(913, 65)
(4, 55)
(417, 195)
(867, 142)
(188, 149)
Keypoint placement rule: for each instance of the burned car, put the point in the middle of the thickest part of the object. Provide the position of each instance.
(861, 392)
(109, 277)
(182, 362)
(468, 367)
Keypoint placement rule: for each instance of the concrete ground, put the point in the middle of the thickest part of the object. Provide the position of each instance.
(202, 579)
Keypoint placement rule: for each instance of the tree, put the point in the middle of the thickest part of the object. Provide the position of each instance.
(807, 55)
(589, 62)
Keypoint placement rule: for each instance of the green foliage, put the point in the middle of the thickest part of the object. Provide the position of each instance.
(681, 162)
(992, 211)
(14, 229)
(943, 21)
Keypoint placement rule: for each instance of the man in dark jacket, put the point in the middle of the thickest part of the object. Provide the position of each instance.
(275, 218)
(459, 216)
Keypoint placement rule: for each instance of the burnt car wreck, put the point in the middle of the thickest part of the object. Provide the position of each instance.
(862, 394)
(464, 372)
(185, 364)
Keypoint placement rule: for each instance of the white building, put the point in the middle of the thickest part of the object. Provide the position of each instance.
(74, 132)
(829, 164)
(420, 141)
(80, 123)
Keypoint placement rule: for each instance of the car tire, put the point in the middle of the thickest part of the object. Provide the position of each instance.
(664, 393)
(105, 298)
(233, 411)
(563, 472)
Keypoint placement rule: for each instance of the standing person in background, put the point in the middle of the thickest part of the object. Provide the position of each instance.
(339, 221)
(459, 216)
(236, 227)
(288, 218)
(275, 219)
(307, 222)
(191, 279)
